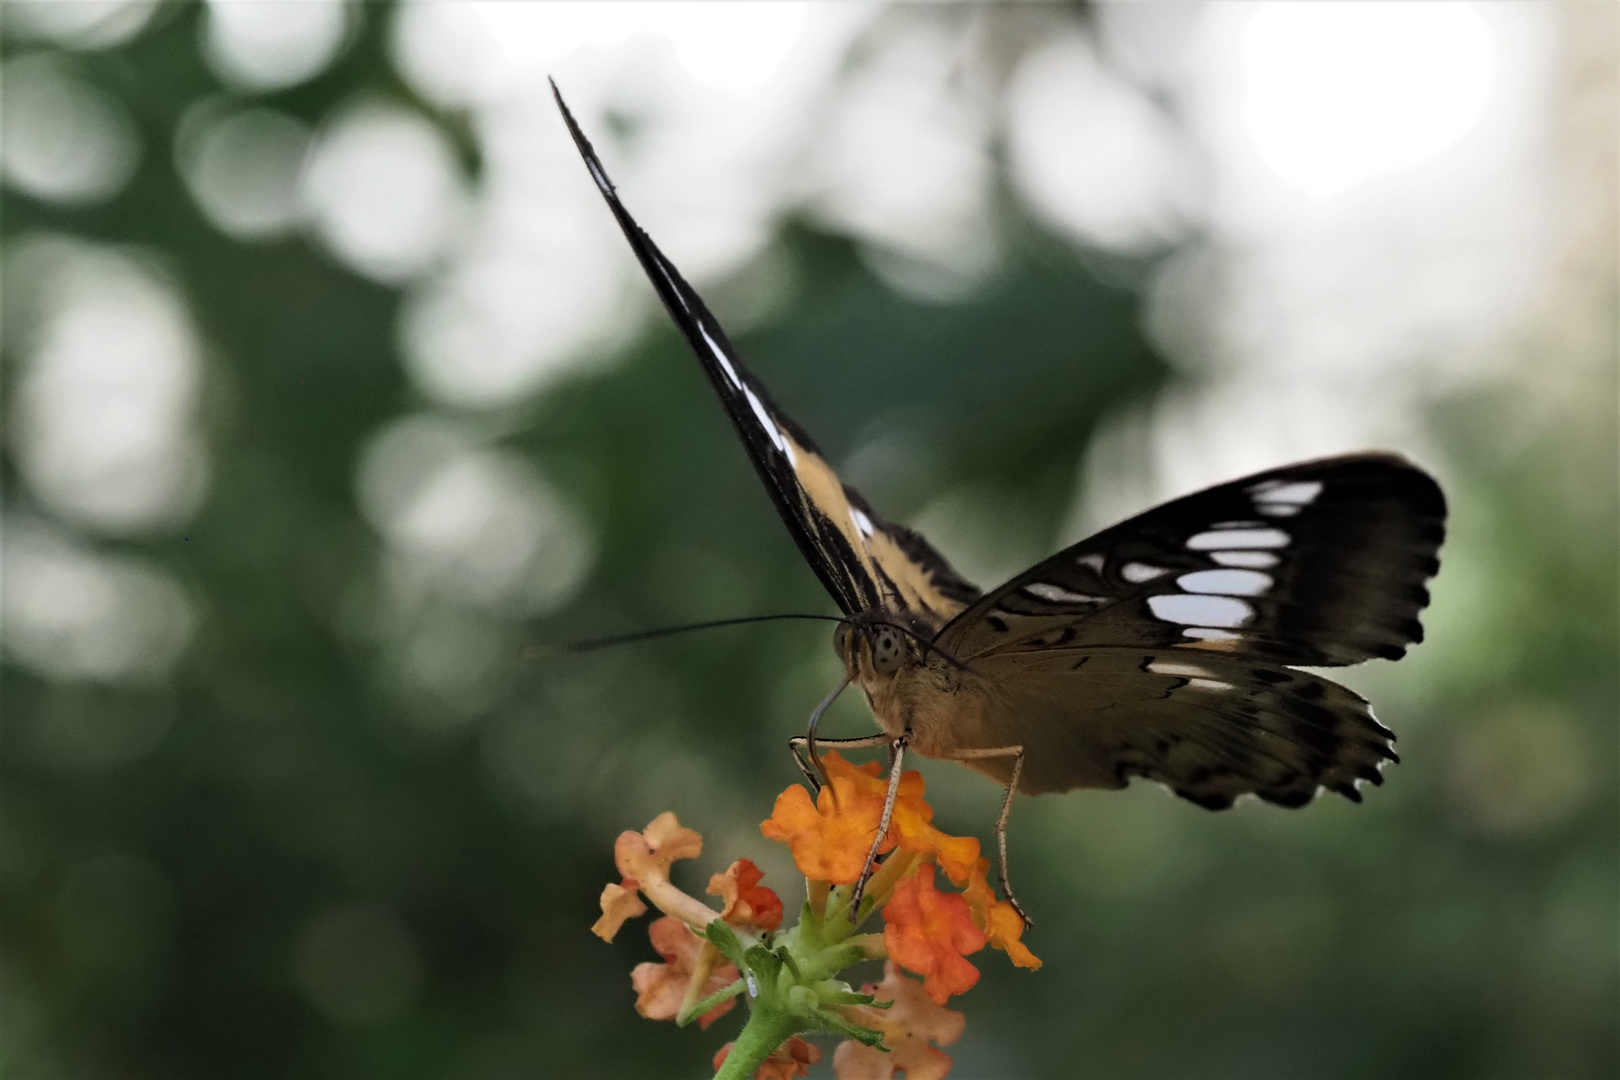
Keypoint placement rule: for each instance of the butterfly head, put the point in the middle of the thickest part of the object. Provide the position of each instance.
(872, 647)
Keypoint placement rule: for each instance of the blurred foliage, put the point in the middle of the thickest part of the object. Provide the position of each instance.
(281, 863)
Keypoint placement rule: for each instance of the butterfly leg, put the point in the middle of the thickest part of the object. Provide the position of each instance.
(1017, 754)
(798, 743)
(897, 756)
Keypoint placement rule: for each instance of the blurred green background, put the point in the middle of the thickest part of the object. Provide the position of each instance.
(286, 793)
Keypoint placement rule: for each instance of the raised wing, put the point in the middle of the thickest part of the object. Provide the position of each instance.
(863, 561)
(1320, 563)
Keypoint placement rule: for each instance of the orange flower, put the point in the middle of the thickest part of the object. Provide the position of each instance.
(748, 903)
(930, 933)
(644, 859)
(661, 989)
(912, 827)
(998, 918)
(619, 903)
(911, 1022)
(649, 853)
(830, 838)
(793, 1058)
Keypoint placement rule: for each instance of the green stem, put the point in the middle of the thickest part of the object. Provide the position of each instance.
(767, 1028)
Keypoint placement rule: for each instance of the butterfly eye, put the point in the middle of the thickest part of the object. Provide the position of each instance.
(841, 640)
(886, 651)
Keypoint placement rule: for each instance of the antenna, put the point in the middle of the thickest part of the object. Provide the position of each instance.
(570, 648)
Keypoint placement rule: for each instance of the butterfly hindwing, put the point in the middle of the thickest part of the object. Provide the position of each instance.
(863, 561)
(1321, 563)
(1209, 727)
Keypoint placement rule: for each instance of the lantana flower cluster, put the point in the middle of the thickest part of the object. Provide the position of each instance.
(790, 977)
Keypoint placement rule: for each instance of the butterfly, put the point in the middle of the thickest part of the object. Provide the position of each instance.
(1167, 646)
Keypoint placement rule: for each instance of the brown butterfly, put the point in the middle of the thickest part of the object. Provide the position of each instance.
(1165, 646)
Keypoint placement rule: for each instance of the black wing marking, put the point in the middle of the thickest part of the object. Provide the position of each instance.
(1320, 563)
(1210, 727)
(863, 561)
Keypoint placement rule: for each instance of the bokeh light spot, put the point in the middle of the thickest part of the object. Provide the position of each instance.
(63, 139)
(1090, 153)
(244, 168)
(906, 167)
(471, 523)
(266, 46)
(71, 613)
(104, 409)
(468, 52)
(384, 190)
(1339, 91)
(82, 24)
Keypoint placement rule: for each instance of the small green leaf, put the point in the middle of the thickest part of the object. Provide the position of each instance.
(787, 958)
(839, 1026)
(840, 998)
(699, 1008)
(807, 917)
(839, 957)
(724, 938)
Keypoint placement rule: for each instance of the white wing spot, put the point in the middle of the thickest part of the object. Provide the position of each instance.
(1189, 671)
(1258, 560)
(1278, 509)
(862, 522)
(1237, 525)
(765, 420)
(1093, 560)
(1195, 610)
(1226, 582)
(1047, 591)
(725, 365)
(1196, 676)
(1238, 538)
(1209, 633)
(1299, 493)
(1138, 572)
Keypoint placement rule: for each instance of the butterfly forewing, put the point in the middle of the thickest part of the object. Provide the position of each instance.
(863, 561)
(1321, 563)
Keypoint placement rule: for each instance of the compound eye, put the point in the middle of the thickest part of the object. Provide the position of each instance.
(886, 651)
(841, 640)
